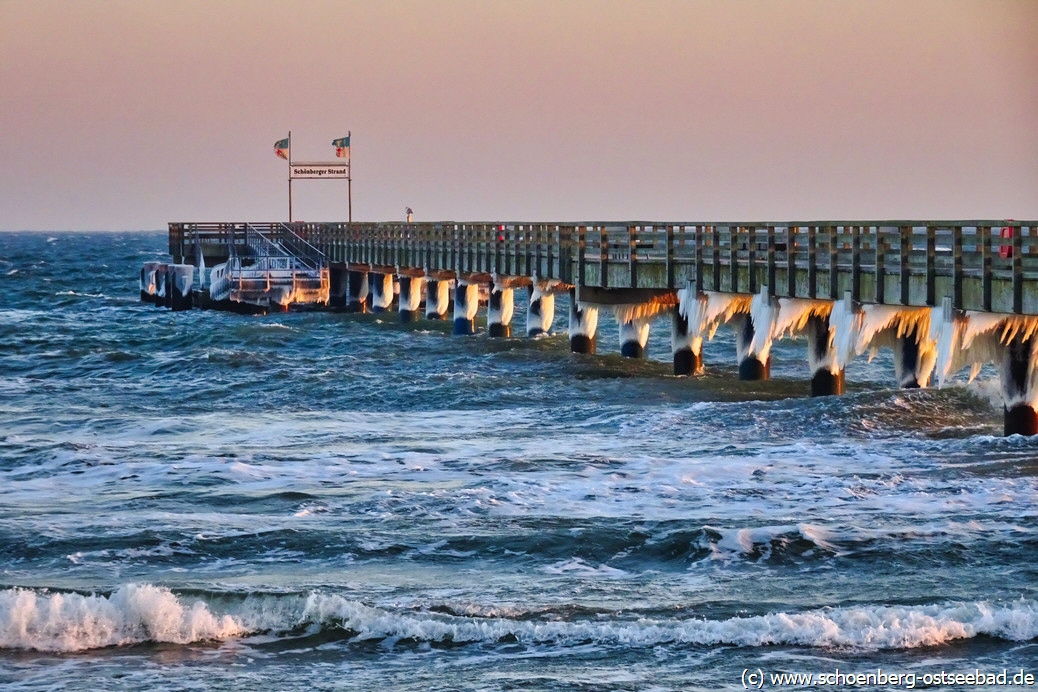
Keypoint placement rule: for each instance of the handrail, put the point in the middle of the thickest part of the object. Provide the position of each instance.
(876, 261)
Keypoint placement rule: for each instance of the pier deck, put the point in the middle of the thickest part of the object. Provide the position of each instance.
(980, 265)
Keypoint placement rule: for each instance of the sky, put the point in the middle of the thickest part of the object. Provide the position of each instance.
(129, 115)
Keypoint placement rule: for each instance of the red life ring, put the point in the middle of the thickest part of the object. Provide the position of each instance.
(1005, 250)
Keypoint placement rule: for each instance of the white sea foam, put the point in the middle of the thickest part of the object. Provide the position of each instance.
(136, 614)
(133, 614)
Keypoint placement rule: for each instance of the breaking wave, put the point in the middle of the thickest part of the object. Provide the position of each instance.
(134, 614)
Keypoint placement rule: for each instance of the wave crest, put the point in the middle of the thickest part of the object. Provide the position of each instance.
(134, 614)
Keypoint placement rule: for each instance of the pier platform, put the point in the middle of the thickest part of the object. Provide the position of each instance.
(942, 294)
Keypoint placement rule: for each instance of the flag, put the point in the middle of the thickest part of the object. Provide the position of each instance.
(281, 148)
(342, 147)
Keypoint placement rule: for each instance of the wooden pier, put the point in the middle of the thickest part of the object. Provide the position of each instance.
(982, 265)
(941, 294)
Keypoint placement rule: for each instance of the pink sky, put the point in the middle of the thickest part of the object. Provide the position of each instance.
(127, 115)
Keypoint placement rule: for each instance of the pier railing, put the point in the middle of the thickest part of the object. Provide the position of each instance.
(987, 265)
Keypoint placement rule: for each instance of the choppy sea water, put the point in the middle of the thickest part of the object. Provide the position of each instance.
(196, 501)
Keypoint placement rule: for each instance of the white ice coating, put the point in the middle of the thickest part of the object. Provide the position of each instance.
(502, 315)
(543, 291)
(635, 330)
(628, 312)
(687, 340)
(764, 312)
(148, 284)
(201, 267)
(161, 279)
(466, 301)
(437, 297)
(381, 290)
(411, 299)
(879, 326)
(587, 323)
(975, 338)
(183, 277)
(706, 311)
(362, 289)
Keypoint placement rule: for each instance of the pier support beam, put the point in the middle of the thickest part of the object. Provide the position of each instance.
(499, 311)
(149, 287)
(162, 294)
(1018, 387)
(687, 349)
(381, 291)
(411, 288)
(179, 278)
(906, 360)
(466, 303)
(358, 291)
(826, 377)
(540, 311)
(751, 365)
(634, 334)
(338, 286)
(437, 298)
(583, 323)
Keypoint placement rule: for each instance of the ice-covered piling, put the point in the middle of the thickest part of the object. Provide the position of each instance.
(501, 305)
(381, 291)
(583, 323)
(827, 377)
(686, 360)
(162, 293)
(338, 286)
(1019, 386)
(357, 300)
(149, 285)
(753, 335)
(466, 303)
(437, 298)
(411, 289)
(634, 335)
(540, 310)
(705, 311)
(179, 278)
(1010, 341)
(634, 320)
(752, 366)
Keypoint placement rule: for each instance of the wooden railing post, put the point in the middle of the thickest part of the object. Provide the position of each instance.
(984, 234)
(751, 258)
(632, 256)
(791, 261)
(957, 266)
(716, 252)
(812, 261)
(906, 252)
(931, 265)
(834, 257)
(733, 257)
(856, 232)
(1018, 270)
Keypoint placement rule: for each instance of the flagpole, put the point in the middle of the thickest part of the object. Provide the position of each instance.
(290, 176)
(349, 178)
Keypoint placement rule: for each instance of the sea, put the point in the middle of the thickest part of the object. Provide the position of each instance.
(325, 501)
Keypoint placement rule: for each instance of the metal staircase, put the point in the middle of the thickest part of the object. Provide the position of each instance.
(274, 268)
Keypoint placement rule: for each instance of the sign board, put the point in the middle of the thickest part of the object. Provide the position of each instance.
(319, 171)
